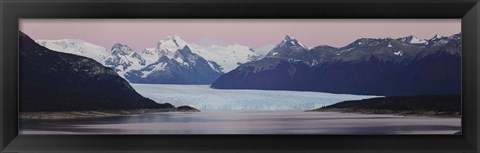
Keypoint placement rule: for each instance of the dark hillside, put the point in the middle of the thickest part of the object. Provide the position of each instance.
(444, 105)
(53, 81)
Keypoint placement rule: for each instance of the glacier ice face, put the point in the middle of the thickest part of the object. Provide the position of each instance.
(205, 98)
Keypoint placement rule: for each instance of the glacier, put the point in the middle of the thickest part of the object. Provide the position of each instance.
(205, 98)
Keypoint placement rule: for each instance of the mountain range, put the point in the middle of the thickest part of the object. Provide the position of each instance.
(367, 66)
(54, 81)
(372, 66)
(171, 61)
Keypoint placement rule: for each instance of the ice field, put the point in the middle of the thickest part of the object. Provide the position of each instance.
(205, 98)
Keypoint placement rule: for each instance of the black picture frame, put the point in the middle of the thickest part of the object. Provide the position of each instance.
(13, 10)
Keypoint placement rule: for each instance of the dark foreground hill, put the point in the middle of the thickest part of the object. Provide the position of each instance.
(444, 105)
(53, 81)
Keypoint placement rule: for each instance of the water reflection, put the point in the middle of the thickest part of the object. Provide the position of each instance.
(262, 122)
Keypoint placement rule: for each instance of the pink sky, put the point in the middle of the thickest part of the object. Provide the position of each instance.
(145, 33)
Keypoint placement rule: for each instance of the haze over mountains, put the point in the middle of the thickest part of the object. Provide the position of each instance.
(376, 66)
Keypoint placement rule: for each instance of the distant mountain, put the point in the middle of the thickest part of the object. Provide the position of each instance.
(263, 51)
(166, 47)
(404, 66)
(173, 62)
(137, 66)
(182, 67)
(413, 40)
(228, 57)
(123, 59)
(77, 47)
(54, 81)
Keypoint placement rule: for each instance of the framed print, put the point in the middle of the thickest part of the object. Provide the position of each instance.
(239, 76)
(275, 84)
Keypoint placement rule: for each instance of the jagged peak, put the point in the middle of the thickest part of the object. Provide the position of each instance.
(186, 50)
(288, 38)
(118, 45)
(119, 48)
(437, 36)
(289, 42)
(171, 42)
(412, 39)
(456, 36)
(173, 37)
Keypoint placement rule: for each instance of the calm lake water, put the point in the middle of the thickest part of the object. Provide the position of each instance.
(250, 122)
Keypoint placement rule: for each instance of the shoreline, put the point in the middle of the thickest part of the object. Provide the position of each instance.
(60, 115)
(437, 106)
(417, 113)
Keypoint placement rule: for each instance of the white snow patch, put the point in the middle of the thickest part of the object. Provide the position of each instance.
(181, 61)
(437, 36)
(213, 67)
(348, 49)
(263, 51)
(416, 40)
(77, 47)
(398, 53)
(302, 45)
(226, 56)
(158, 67)
(169, 45)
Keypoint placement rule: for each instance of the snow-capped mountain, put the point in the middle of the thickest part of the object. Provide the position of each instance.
(56, 81)
(165, 47)
(385, 49)
(263, 51)
(172, 61)
(221, 58)
(228, 57)
(288, 47)
(77, 47)
(143, 67)
(437, 37)
(176, 67)
(123, 59)
(414, 40)
(291, 49)
(367, 66)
